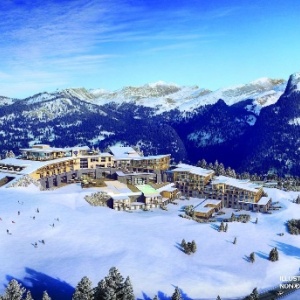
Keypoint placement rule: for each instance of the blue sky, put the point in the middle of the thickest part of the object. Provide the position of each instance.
(54, 44)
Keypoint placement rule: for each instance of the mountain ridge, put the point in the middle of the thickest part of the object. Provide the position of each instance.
(255, 128)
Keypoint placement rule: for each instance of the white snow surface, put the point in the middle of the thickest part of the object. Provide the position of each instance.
(87, 241)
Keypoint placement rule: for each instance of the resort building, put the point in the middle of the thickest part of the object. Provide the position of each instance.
(207, 208)
(54, 166)
(128, 159)
(169, 191)
(191, 180)
(239, 194)
(151, 197)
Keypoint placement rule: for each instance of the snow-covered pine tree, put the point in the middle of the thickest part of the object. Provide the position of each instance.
(28, 296)
(116, 279)
(271, 255)
(216, 165)
(188, 248)
(226, 227)
(183, 243)
(221, 228)
(155, 298)
(11, 154)
(99, 290)
(202, 163)
(84, 290)
(276, 254)
(218, 298)
(254, 295)
(126, 293)
(221, 169)
(232, 218)
(14, 291)
(193, 246)
(252, 257)
(176, 295)
(46, 296)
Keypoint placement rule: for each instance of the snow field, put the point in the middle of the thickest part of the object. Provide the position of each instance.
(89, 240)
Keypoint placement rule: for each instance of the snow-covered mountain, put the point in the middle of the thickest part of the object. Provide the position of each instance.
(253, 127)
(164, 97)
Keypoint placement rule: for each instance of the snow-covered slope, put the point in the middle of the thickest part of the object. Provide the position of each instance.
(264, 92)
(81, 240)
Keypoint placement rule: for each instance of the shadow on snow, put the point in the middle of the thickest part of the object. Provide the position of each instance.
(38, 282)
(288, 249)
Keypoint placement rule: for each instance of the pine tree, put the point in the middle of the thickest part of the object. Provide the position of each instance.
(116, 279)
(254, 295)
(202, 163)
(126, 292)
(14, 291)
(216, 165)
(28, 296)
(252, 257)
(188, 248)
(232, 218)
(84, 290)
(46, 296)
(183, 243)
(155, 298)
(271, 255)
(276, 256)
(221, 228)
(226, 227)
(100, 290)
(218, 298)
(193, 246)
(176, 295)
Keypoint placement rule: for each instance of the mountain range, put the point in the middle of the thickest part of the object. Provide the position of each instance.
(252, 127)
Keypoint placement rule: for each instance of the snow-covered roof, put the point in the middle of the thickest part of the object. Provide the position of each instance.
(193, 170)
(123, 152)
(263, 201)
(151, 157)
(54, 149)
(169, 187)
(104, 154)
(116, 188)
(243, 184)
(207, 205)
